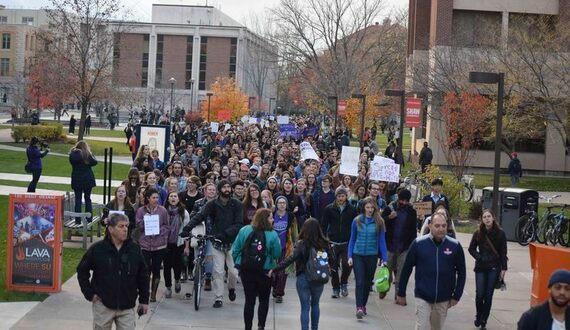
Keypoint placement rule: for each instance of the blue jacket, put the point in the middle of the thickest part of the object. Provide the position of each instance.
(365, 240)
(318, 209)
(35, 157)
(440, 270)
(82, 176)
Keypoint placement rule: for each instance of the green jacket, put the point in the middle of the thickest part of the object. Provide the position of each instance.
(273, 246)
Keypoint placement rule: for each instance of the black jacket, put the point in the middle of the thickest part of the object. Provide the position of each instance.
(300, 256)
(226, 220)
(539, 318)
(336, 225)
(485, 258)
(118, 276)
(409, 227)
(443, 198)
(82, 177)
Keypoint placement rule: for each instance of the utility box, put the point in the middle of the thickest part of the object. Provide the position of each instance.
(514, 203)
(487, 199)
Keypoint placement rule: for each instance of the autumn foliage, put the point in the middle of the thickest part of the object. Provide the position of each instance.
(227, 96)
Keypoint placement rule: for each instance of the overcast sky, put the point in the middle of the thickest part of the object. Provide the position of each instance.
(141, 9)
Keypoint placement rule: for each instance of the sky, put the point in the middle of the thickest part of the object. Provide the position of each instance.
(141, 9)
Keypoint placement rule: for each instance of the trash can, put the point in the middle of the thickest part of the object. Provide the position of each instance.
(544, 260)
(514, 203)
(487, 199)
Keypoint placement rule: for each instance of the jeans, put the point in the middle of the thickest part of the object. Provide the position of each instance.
(88, 206)
(36, 173)
(515, 180)
(255, 284)
(484, 288)
(341, 258)
(309, 296)
(364, 268)
(172, 261)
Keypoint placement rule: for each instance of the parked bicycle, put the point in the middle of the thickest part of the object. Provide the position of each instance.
(529, 228)
(468, 187)
(199, 267)
(416, 185)
(557, 229)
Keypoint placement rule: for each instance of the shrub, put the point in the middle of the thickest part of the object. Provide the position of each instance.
(49, 132)
(475, 210)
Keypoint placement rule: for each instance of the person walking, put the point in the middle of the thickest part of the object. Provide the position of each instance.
(311, 237)
(82, 177)
(366, 249)
(440, 275)
(515, 169)
(253, 272)
(178, 218)
(35, 155)
(489, 249)
(553, 314)
(121, 204)
(426, 157)
(112, 290)
(72, 122)
(88, 125)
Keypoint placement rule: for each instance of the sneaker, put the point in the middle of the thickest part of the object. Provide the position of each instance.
(279, 299)
(232, 295)
(177, 287)
(477, 323)
(218, 304)
(382, 295)
(364, 309)
(208, 285)
(168, 292)
(344, 290)
(359, 313)
(335, 293)
(188, 295)
(183, 277)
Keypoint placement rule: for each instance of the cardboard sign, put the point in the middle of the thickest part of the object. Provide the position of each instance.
(282, 120)
(349, 159)
(224, 115)
(384, 171)
(307, 151)
(214, 127)
(34, 242)
(423, 209)
(227, 127)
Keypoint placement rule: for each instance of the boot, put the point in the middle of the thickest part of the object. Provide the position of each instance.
(155, 282)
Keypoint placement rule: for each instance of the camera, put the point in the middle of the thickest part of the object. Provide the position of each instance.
(44, 144)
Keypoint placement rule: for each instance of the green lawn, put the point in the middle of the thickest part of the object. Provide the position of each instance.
(97, 147)
(71, 258)
(538, 183)
(117, 133)
(51, 186)
(382, 141)
(14, 161)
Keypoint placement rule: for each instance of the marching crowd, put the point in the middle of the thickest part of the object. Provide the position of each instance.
(272, 214)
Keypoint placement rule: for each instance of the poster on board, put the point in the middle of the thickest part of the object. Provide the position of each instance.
(156, 137)
(307, 151)
(349, 159)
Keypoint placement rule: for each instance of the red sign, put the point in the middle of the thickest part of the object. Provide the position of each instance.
(413, 109)
(224, 115)
(342, 108)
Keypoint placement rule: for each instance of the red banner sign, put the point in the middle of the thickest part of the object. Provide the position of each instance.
(224, 115)
(413, 110)
(342, 108)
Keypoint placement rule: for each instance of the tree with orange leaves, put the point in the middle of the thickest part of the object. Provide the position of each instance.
(227, 96)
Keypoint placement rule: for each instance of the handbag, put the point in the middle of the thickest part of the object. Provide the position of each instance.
(500, 282)
(382, 279)
(28, 167)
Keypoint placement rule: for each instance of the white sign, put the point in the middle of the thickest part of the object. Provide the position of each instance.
(116, 212)
(282, 120)
(383, 160)
(244, 119)
(215, 127)
(384, 171)
(151, 224)
(227, 127)
(307, 151)
(155, 138)
(252, 121)
(272, 118)
(349, 160)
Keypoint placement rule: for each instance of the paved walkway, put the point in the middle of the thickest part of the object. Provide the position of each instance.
(69, 310)
(49, 179)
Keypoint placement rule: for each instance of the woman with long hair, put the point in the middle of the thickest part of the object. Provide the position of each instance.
(311, 183)
(139, 199)
(256, 283)
(121, 203)
(178, 218)
(268, 199)
(251, 203)
(366, 249)
(357, 195)
(151, 181)
(142, 155)
(132, 184)
(306, 211)
(272, 185)
(35, 155)
(489, 249)
(82, 177)
(311, 237)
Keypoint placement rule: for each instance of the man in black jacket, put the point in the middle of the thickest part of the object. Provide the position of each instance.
(336, 224)
(555, 312)
(225, 218)
(119, 276)
(436, 196)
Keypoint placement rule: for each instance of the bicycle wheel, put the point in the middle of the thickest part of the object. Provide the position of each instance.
(525, 230)
(552, 233)
(198, 274)
(467, 193)
(542, 229)
(564, 233)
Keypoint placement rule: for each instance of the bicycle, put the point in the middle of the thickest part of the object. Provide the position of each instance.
(468, 187)
(528, 228)
(546, 219)
(199, 267)
(416, 185)
(557, 230)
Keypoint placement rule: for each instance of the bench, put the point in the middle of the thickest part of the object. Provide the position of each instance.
(84, 227)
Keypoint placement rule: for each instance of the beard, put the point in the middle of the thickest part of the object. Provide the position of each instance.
(225, 194)
(564, 303)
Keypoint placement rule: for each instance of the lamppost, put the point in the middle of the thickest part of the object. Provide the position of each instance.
(363, 99)
(270, 99)
(209, 96)
(499, 79)
(335, 99)
(402, 95)
(171, 81)
(191, 95)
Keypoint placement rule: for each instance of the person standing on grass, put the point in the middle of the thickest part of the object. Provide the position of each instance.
(515, 169)
(72, 122)
(35, 156)
(119, 276)
(82, 177)
(88, 125)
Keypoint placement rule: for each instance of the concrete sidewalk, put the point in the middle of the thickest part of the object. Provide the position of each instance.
(7, 190)
(69, 310)
(49, 179)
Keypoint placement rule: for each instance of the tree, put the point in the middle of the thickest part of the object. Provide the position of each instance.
(463, 117)
(227, 96)
(49, 81)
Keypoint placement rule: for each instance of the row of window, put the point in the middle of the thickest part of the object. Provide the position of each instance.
(25, 20)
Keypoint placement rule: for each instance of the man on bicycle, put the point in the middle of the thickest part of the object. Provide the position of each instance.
(224, 218)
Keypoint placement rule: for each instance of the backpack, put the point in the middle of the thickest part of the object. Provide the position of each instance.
(254, 251)
(516, 167)
(317, 267)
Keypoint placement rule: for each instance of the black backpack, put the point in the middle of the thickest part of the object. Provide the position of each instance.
(254, 251)
(317, 267)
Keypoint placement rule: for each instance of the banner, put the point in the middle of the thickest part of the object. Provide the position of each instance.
(311, 131)
(34, 242)
(287, 130)
(156, 138)
(349, 159)
(307, 151)
(342, 108)
(413, 109)
(282, 120)
(384, 171)
(224, 115)
(214, 127)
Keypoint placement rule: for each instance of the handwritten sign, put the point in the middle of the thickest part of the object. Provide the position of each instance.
(307, 151)
(384, 171)
(214, 127)
(349, 160)
(282, 119)
(151, 224)
(227, 126)
(423, 209)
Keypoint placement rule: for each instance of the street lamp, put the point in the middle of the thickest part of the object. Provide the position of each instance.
(402, 95)
(191, 94)
(209, 96)
(270, 99)
(335, 99)
(171, 81)
(363, 98)
(494, 78)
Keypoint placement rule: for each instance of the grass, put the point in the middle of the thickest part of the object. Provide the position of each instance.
(71, 258)
(118, 133)
(539, 183)
(50, 186)
(97, 147)
(382, 140)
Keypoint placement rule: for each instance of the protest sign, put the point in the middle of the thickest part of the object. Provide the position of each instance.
(288, 130)
(384, 171)
(310, 131)
(423, 209)
(349, 160)
(252, 121)
(151, 224)
(227, 127)
(214, 127)
(307, 151)
(282, 120)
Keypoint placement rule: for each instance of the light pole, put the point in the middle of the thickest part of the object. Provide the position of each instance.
(402, 95)
(499, 79)
(191, 95)
(209, 96)
(270, 99)
(335, 99)
(171, 81)
(363, 99)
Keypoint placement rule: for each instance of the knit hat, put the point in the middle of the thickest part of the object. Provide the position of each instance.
(221, 184)
(559, 276)
(285, 180)
(404, 195)
(340, 191)
(281, 197)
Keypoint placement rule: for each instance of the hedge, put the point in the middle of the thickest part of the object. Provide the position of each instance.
(49, 132)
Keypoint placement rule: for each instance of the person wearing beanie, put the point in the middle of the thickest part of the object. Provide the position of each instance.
(400, 218)
(553, 313)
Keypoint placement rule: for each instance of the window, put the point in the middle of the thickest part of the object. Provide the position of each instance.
(4, 66)
(203, 61)
(532, 30)
(27, 20)
(5, 40)
(476, 28)
(233, 56)
(189, 50)
(3, 19)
